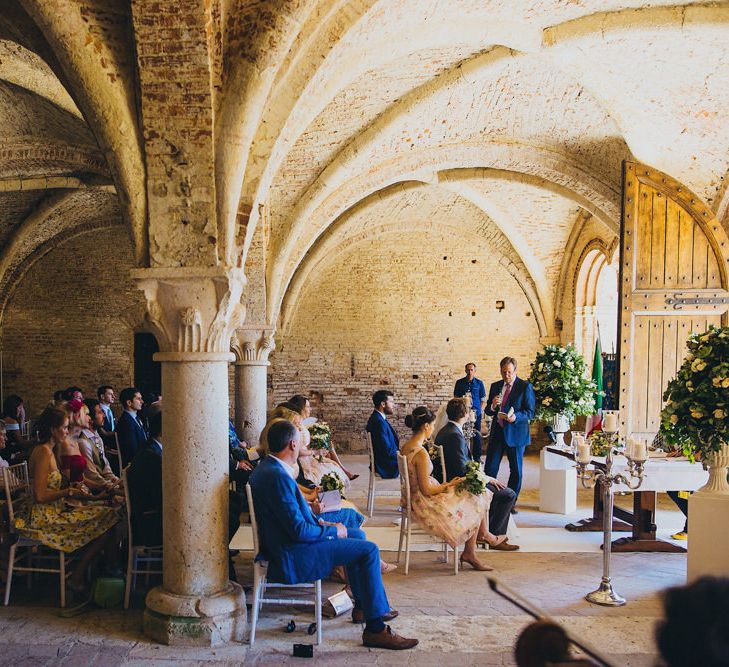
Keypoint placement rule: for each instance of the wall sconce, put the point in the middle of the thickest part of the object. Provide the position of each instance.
(500, 305)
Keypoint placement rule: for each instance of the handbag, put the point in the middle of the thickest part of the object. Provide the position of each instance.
(108, 592)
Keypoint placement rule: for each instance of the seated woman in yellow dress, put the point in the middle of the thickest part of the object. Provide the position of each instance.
(50, 519)
(456, 517)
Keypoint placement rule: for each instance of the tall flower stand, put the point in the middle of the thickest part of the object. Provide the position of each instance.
(708, 543)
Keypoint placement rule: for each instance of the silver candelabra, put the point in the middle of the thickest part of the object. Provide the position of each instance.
(605, 594)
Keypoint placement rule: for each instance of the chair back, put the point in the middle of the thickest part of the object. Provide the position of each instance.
(17, 487)
(254, 521)
(128, 505)
(116, 452)
(402, 466)
(370, 451)
(25, 429)
(441, 456)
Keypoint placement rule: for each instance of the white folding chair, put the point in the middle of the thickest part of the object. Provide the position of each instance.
(25, 429)
(260, 582)
(406, 524)
(115, 451)
(137, 553)
(17, 492)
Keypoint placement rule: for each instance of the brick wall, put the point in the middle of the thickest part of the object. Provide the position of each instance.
(404, 316)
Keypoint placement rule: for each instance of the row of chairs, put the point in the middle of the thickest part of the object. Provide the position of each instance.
(26, 552)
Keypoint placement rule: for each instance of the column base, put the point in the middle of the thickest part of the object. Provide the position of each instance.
(181, 620)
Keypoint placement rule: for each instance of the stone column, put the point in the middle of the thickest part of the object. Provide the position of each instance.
(193, 313)
(251, 345)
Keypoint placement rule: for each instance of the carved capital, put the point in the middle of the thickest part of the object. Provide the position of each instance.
(253, 344)
(193, 310)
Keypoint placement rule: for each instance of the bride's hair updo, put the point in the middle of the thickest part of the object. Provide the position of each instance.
(419, 418)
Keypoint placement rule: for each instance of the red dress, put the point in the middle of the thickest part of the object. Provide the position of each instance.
(76, 465)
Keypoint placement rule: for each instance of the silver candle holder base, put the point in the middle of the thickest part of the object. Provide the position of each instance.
(605, 595)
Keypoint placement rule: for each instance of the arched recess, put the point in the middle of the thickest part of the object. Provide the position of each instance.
(340, 233)
(553, 168)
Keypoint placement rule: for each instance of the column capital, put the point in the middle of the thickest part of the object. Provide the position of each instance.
(252, 344)
(192, 310)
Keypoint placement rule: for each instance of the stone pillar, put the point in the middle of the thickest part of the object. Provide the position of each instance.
(252, 347)
(193, 313)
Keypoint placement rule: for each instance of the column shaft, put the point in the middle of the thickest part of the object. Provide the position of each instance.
(251, 379)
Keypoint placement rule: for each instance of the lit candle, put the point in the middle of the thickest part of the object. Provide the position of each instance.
(610, 421)
(630, 447)
(640, 453)
(583, 452)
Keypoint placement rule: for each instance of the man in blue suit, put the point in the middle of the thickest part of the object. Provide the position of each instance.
(385, 442)
(129, 428)
(471, 384)
(300, 548)
(511, 404)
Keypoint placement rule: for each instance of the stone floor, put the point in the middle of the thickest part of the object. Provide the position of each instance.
(458, 620)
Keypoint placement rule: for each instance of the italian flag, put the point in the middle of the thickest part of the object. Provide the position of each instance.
(594, 423)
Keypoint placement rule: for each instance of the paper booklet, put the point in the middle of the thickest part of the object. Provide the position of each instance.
(330, 501)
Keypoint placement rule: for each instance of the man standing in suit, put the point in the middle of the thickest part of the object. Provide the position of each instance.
(129, 428)
(300, 548)
(385, 442)
(511, 403)
(455, 453)
(470, 383)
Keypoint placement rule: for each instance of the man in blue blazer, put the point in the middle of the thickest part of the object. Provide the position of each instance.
(300, 548)
(385, 442)
(511, 404)
(129, 428)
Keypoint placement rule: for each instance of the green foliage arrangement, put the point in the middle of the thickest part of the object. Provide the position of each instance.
(474, 480)
(696, 401)
(321, 438)
(561, 385)
(330, 482)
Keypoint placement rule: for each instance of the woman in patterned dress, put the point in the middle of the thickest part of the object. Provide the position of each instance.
(457, 518)
(50, 519)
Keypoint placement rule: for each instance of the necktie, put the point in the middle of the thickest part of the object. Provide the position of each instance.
(502, 407)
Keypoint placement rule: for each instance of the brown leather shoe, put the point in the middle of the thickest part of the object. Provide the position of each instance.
(387, 639)
(504, 546)
(359, 617)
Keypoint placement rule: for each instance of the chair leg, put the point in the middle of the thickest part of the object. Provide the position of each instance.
(371, 495)
(407, 546)
(256, 606)
(317, 611)
(128, 582)
(62, 570)
(455, 559)
(403, 523)
(135, 567)
(9, 580)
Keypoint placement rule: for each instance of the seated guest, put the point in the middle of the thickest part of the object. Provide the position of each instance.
(457, 518)
(299, 548)
(385, 442)
(131, 432)
(106, 397)
(303, 406)
(13, 415)
(144, 478)
(3, 440)
(239, 466)
(73, 394)
(50, 519)
(71, 461)
(90, 444)
(455, 453)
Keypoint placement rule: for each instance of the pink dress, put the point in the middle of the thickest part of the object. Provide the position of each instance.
(452, 516)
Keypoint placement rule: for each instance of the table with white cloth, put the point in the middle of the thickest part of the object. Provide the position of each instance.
(661, 473)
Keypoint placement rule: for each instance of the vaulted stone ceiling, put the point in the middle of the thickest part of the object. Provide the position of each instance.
(518, 111)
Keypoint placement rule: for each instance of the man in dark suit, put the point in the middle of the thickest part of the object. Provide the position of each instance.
(511, 404)
(455, 453)
(129, 428)
(385, 442)
(300, 548)
(470, 384)
(144, 478)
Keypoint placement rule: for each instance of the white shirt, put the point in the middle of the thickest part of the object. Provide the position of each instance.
(290, 470)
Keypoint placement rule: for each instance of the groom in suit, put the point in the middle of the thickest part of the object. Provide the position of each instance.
(455, 453)
(300, 548)
(129, 428)
(511, 404)
(385, 442)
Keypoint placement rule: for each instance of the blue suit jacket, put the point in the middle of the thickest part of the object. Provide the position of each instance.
(521, 398)
(132, 437)
(478, 392)
(385, 445)
(297, 548)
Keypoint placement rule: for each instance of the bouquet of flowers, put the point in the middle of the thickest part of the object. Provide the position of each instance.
(474, 481)
(697, 399)
(561, 385)
(599, 443)
(433, 453)
(330, 482)
(321, 438)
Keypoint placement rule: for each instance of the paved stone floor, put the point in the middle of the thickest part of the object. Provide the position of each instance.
(458, 620)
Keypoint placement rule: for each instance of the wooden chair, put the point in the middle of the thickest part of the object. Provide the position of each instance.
(137, 553)
(406, 524)
(260, 583)
(116, 452)
(17, 491)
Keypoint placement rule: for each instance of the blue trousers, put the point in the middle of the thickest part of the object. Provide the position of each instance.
(477, 441)
(346, 516)
(495, 452)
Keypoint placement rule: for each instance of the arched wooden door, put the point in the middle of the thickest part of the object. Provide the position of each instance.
(673, 280)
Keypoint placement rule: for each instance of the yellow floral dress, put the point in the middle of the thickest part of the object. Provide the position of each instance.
(59, 526)
(452, 516)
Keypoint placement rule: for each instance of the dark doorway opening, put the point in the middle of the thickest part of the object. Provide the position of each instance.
(147, 372)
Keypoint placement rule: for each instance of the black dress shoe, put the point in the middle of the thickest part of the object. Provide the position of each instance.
(359, 617)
